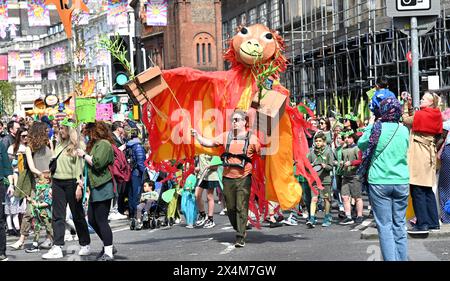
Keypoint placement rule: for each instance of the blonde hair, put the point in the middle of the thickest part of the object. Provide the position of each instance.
(74, 140)
(436, 99)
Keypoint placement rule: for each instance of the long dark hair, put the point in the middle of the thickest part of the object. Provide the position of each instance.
(98, 131)
(18, 138)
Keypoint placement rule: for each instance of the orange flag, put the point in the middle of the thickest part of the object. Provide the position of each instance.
(65, 12)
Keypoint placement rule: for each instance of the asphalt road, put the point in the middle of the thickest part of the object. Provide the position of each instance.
(287, 243)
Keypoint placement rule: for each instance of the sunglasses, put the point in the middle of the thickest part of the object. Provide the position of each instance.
(322, 123)
(23, 136)
(237, 119)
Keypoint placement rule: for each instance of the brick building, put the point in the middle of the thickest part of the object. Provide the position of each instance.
(192, 37)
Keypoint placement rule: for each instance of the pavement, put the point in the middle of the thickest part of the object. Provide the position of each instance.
(286, 243)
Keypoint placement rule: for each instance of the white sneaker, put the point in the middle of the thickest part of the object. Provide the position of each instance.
(68, 236)
(75, 237)
(223, 212)
(177, 221)
(117, 216)
(85, 251)
(55, 252)
(305, 214)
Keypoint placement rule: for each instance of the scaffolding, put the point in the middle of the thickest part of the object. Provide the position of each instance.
(337, 49)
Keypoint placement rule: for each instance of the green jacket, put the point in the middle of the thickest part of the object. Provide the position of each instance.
(389, 161)
(102, 156)
(326, 157)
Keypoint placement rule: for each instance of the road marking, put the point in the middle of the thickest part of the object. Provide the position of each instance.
(230, 247)
(227, 227)
(153, 230)
(122, 229)
(209, 239)
(363, 225)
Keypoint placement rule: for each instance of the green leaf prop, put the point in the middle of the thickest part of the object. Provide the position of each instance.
(167, 196)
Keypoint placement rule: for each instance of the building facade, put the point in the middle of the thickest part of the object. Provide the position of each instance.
(337, 48)
(192, 37)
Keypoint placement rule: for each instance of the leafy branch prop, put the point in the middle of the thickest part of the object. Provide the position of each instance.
(116, 49)
(261, 73)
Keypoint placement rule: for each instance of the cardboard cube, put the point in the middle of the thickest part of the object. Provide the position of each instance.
(269, 110)
(150, 81)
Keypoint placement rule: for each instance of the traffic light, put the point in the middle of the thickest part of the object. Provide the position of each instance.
(119, 74)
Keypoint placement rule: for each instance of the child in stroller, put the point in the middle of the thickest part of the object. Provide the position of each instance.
(148, 198)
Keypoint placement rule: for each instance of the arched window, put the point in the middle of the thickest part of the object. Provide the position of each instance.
(205, 46)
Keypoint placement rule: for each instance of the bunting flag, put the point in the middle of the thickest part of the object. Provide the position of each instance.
(59, 55)
(37, 75)
(13, 58)
(37, 59)
(38, 13)
(3, 13)
(157, 12)
(117, 13)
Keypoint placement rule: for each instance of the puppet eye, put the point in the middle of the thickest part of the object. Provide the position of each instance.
(244, 31)
(267, 36)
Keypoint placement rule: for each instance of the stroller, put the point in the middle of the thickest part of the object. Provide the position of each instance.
(150, 220)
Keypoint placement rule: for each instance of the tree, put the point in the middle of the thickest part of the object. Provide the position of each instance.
(6, 98)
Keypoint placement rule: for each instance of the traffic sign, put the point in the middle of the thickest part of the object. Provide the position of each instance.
(412, 8)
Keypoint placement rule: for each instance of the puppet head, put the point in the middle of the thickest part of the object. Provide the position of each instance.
(256, 44)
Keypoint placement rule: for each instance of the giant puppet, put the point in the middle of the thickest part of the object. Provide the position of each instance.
(205, 100)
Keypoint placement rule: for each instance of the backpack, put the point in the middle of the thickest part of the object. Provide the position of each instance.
(121, 170)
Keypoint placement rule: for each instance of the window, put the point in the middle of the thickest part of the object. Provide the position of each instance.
(209, 53)
(204, 53)
(243, 19)
(233, 26)
(198, 53)
(252, 16)
(27, 67)
(205, 46)
(275, 14)
(262, 14)
(225, 35)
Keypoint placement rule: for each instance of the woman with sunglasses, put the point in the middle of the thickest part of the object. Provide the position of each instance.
(240, 146)
(325, 127)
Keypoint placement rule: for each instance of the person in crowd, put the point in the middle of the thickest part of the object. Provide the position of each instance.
(385, 145)
(350, 122)
(41, 205)
(237, 169)
(325, 127)
(67, 187)
(16, 152)
(36, 166)
(339, 144)
(118, 207)
(99, 155)
(311, 131)
(10, 138)
(137, 171)
(148, 197)
(321, 158)
(208, 179)
(351, 183)
(444, 172)
(2, 130)
(425, 124)
(5, 171)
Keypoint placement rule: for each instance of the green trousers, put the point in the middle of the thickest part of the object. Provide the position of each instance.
(237, 195)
